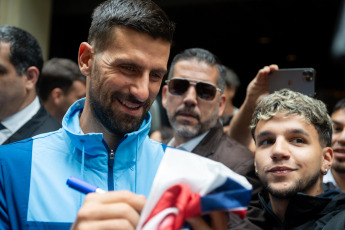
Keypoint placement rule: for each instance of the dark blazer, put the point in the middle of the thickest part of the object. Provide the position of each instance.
(41, 122)
(218, 146)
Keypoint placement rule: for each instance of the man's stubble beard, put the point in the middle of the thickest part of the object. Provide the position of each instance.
(300, 186)
(116, 122)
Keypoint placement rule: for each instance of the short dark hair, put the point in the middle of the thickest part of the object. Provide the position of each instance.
(24, 48)
(231, 78)
(200, 55)
(339, 105)
(140, 15)
(58, 73)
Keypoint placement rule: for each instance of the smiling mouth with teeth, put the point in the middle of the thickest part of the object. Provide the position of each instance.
(129, 104)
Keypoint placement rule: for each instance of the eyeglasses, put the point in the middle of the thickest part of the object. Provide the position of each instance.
(205, 91)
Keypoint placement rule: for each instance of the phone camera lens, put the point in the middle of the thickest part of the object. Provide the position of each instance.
(308, 75)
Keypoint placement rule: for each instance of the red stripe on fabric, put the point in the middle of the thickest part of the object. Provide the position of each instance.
(184, 200)
(240, 213)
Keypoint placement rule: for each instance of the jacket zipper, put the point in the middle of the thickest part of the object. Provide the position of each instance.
(111, 161)
(111, 170)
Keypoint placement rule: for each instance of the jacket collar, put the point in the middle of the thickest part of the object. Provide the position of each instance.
(204, 148)
(95, 142)
(302, 207)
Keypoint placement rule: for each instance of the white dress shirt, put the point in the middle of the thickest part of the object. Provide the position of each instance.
(189, 145)
(14, 122)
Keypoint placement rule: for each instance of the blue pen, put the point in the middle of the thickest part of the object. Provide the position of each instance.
(83, 186)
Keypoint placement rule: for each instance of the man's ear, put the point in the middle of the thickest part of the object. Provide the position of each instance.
(57, 96)
(221, 105)
(31, 77)
(327, 159)
(85, 58)
(164, 96)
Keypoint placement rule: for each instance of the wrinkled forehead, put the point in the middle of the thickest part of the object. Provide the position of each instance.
(195, 70)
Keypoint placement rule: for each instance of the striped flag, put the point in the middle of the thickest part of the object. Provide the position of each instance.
(187, 185)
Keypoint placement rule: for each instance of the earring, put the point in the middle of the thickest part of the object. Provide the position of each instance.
(324, 173)
(256, 172)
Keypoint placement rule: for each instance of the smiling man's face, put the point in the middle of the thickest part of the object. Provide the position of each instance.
(126, 78)
(288, 156)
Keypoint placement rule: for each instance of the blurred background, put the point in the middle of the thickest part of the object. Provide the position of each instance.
(245, 34)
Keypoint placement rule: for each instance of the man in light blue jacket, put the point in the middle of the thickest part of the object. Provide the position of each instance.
(104, 138)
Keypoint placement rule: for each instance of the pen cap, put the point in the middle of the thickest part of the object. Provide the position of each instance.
(80, 185)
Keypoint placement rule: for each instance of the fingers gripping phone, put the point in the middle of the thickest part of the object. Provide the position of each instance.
(301, 80)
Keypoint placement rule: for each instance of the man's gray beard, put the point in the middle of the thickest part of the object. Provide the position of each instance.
(182, 130)
(339, 167)
(186, 132)
(292, 191)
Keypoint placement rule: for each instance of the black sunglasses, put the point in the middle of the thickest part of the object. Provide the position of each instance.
(205, 91)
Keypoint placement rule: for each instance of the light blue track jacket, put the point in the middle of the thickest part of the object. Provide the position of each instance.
(33, 172)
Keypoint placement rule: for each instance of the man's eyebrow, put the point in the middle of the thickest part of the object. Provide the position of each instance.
(298, 131)
(294, 131)
(337, 122)
(264, 134)
(159, 70)
(120, 61)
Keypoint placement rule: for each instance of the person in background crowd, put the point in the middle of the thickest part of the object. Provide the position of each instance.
(21, 113)
(335, 178)
(61, 84)
(232, 83)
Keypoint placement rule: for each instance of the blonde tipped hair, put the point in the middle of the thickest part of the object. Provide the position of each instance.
(289, 102)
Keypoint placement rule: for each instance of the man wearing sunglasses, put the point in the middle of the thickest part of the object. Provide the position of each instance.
(194, 101)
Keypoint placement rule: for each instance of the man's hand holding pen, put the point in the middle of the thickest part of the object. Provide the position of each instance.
(112, 210)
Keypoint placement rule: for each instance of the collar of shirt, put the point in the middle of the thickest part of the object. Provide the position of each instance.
(189, 145)
(14, 122)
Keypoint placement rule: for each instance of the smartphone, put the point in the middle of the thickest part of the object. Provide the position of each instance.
(301, 80)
